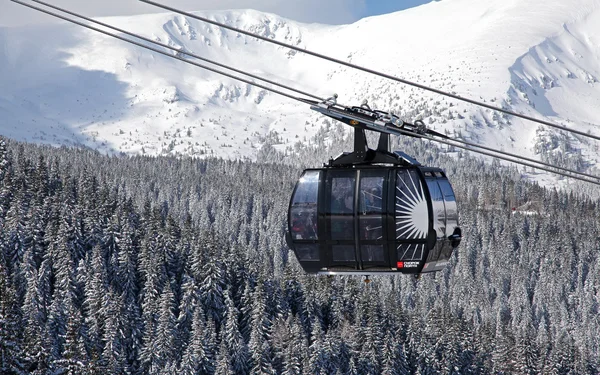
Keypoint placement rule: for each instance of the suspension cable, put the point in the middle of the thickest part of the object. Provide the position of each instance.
(552, 169)
(371, 71)
(450, 142)
(522, 157)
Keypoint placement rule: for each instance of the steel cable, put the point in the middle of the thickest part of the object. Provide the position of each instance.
(551, 169)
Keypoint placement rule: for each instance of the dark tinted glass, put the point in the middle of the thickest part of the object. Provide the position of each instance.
(342, 195)
(371, 195)
(439, 210)
(371, 228)
(303, 212)
(340, 189)
(343, 253)
(372, 253)
(451, 208)
(307, 252)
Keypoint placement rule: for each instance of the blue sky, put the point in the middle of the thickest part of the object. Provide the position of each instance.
(319, 11)
(376, 7)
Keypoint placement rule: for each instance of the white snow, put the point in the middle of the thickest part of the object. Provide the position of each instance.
(62, 84)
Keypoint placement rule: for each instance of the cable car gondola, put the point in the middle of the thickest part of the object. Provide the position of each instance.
(372, 211)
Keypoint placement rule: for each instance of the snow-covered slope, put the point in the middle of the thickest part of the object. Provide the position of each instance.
(63, 84)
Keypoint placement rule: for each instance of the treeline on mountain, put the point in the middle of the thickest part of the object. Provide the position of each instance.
(139, 265)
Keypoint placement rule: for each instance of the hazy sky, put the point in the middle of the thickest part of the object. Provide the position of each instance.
(322, 11)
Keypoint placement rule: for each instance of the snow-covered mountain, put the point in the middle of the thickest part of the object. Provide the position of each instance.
(62, 84)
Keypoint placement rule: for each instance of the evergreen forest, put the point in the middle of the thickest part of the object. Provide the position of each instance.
(177, 265)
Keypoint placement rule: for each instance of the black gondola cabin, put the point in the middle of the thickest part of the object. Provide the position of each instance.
(372, 219)
(373, 211)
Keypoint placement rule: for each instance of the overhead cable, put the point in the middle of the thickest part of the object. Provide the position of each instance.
(522, 158)
(552, 169)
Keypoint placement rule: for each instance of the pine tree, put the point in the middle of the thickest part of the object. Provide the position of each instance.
(294, 347)
(504, 354)
(260, 336)
(89, 250)
(352, 369)
(114, 356)
(5, 159)
(237, 351)
(369, 336)
(127, 274)
(212, 286)
(247, 305)
(545, 348)
(318, 360)
(527, 352)
(36, 340)
(96, 290)
(394, 358)
(223, 361)
(158, 349)
(10, 334)
(189, 302)
(74, 359)
(196, 358)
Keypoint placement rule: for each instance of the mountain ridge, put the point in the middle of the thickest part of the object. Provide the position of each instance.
(537, 58)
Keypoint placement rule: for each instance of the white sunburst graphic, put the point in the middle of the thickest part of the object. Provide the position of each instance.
(412, 214)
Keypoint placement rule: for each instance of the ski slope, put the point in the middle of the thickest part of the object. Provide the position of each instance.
(62, 84)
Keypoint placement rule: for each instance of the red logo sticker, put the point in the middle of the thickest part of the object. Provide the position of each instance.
(400, 265)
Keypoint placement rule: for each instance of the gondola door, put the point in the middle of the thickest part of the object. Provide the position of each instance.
(372, 231)
(355, 214)
(340, 194)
